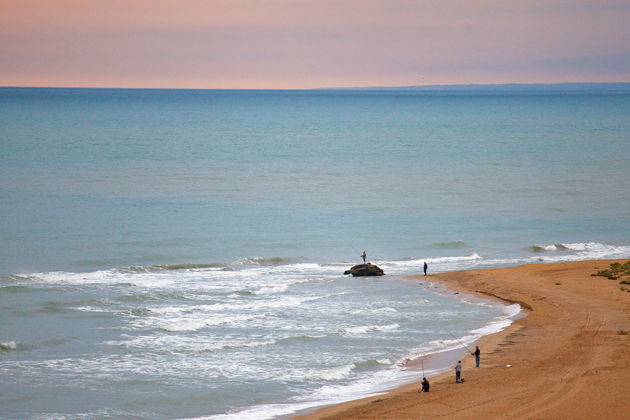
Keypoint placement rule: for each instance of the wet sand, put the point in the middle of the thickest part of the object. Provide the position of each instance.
(568, 358)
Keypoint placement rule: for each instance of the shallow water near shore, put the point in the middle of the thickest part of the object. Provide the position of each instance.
(263, 341)
(178, 254)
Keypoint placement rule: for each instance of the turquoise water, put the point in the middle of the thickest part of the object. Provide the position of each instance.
(166, 252)
(107, 178)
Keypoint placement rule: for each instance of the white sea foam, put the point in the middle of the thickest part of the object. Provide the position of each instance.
(597, 250)
(271, 289)
(366, 386)
(258, 316)
(544, 248)
(414, 266)
(385, 309)
(94, 309)
(189, 344)
(273, 303)
(77, 371)
(63, 277)
(276, 279)
(259, 412)
(196, 317)
(582, 250)
(193, 322)
(364, 329)
(329, 394)
(336, 373)
(444, 345)
(259, 280)
(511, 310)
(473, 256)
(491, 328)
(8, 345)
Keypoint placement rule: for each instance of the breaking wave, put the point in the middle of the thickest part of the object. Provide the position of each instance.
(8, 346)
(177, 267)
(185, 344)
(280, 273)
(254, 311)
(580, 251)
(547, 248)
(368, 328)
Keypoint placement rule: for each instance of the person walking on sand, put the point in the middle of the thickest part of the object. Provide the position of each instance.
(458, 372)
(425, 268)
(364, 255)
(477, 354)
(425, 385)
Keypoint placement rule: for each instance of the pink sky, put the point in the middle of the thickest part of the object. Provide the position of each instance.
(311, 43)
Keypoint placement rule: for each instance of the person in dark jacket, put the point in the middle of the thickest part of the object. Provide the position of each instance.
(477, 354)
(425, 385)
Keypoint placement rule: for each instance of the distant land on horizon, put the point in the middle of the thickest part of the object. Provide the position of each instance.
(512, 87)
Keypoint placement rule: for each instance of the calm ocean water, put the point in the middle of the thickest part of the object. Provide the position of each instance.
(176, 254)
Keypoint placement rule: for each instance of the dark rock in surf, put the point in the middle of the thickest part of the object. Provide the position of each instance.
(368, 269)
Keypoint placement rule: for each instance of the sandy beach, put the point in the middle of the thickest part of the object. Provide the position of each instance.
(567, 359)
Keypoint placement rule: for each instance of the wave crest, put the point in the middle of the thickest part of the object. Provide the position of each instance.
(547, 248)
(8, 346)
(367, 328)
(174, 267)
(581, 251)
(335, 374)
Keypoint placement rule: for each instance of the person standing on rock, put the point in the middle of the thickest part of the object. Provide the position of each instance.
(364, 256)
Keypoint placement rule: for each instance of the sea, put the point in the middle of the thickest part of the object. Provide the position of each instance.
(179, 254)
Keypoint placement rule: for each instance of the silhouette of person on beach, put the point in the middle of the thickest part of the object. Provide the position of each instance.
(477, 354)
(458, 372)
(425, 268)
(364, 255)
(425, 385)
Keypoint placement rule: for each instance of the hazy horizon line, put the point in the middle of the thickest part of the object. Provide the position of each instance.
(434, 87)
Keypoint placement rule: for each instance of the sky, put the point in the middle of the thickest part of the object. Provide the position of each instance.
(295, 44)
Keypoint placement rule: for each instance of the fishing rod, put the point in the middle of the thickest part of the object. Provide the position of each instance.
(466, 347)
(353, 248)
(360, 254)
(422, 363)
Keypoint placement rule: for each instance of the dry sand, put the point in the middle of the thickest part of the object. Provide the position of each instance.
(568, 358)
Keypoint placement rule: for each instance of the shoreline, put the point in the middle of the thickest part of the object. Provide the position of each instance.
(566, 357)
